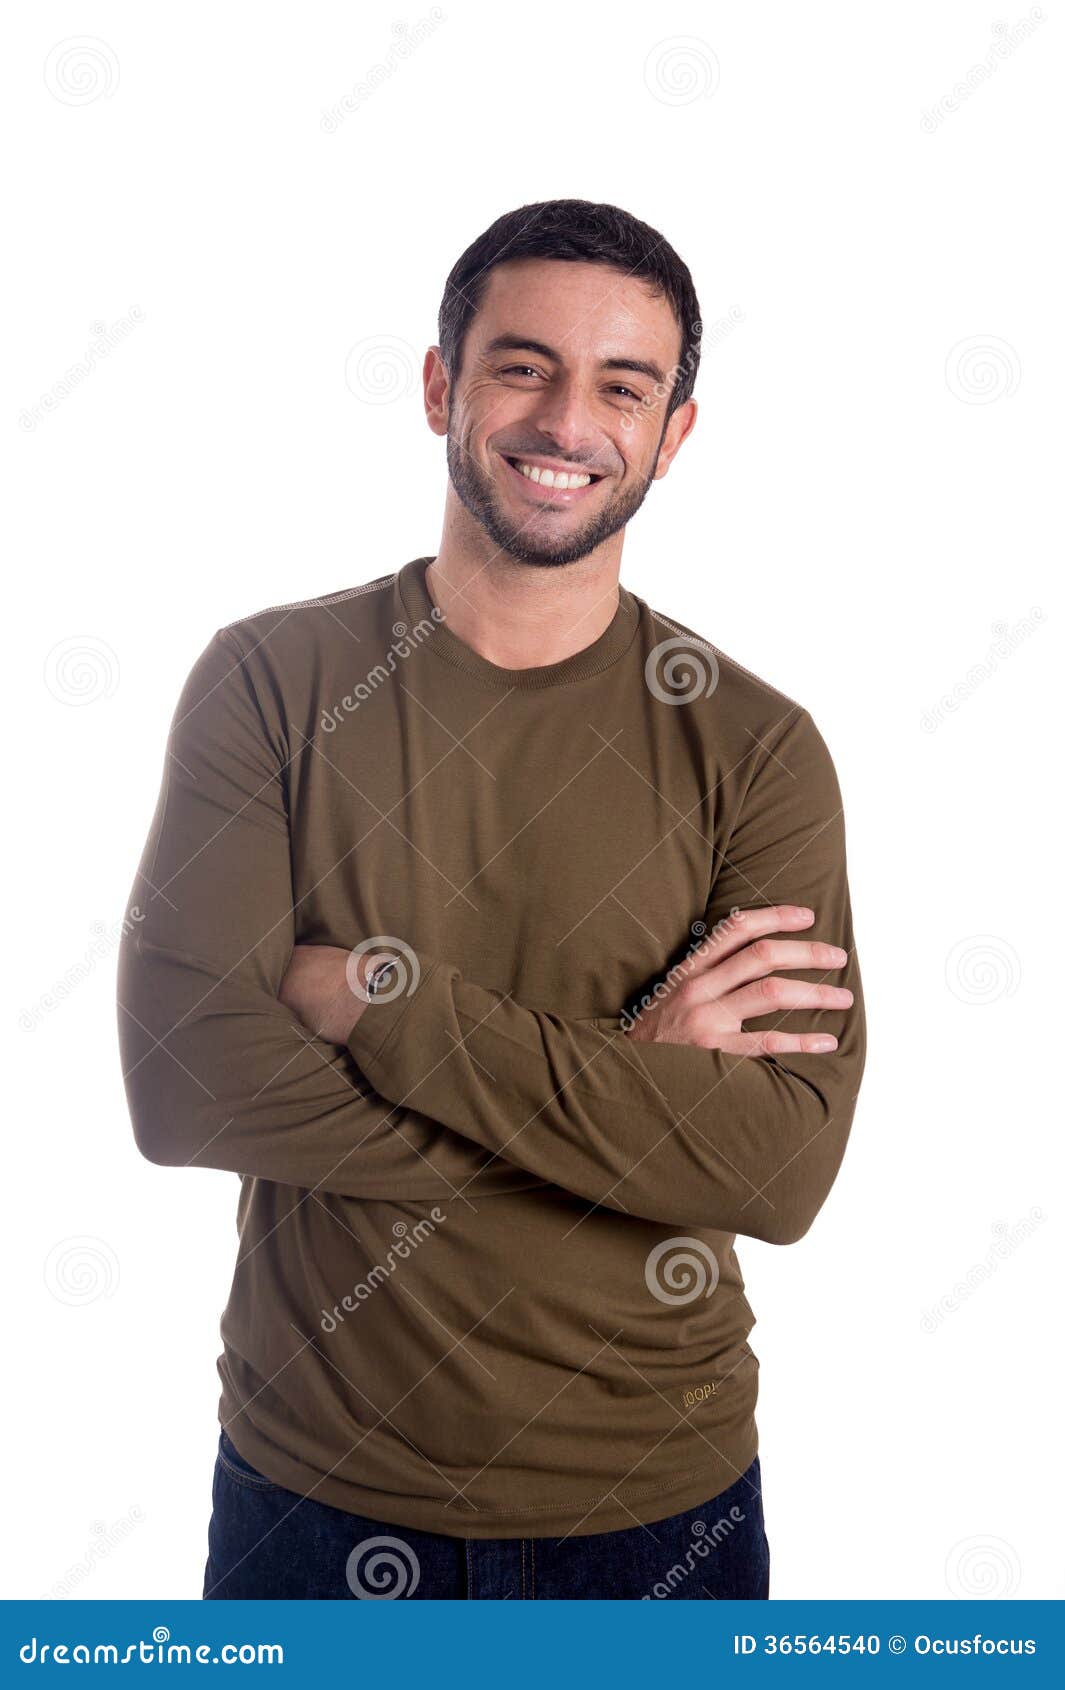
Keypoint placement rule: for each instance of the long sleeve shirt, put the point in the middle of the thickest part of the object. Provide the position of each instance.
(486, 1282)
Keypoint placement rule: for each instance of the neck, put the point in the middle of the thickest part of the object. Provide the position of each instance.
(521, 615)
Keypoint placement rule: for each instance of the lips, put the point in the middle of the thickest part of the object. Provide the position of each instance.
(537, 492)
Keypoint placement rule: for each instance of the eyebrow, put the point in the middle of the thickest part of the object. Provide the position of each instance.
(519, 343)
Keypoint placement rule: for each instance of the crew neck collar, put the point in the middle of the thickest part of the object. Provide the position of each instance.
(592, 659)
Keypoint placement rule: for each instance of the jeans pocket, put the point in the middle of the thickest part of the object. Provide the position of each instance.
(237, 1468)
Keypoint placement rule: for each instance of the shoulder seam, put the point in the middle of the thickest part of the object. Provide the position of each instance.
(310, 604)
(688, 634)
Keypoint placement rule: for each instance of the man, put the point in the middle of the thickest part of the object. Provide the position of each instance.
(496, 931)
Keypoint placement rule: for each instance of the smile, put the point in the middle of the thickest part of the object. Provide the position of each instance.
(550, 486)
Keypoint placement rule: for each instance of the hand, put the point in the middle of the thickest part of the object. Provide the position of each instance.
(316, 986)
(729, 978)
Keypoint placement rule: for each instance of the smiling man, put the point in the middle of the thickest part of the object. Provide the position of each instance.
(496, 932)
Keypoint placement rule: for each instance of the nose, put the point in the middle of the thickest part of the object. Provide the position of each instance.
(562, 416)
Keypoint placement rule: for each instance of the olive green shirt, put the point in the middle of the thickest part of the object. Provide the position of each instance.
(486, 1282)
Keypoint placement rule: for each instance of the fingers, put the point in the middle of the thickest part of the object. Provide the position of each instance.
(732, 932)
(776, 1044)
(772, 994)
(765, 956)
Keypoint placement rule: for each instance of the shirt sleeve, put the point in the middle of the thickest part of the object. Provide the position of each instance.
(218, 1073)
(673, 1133)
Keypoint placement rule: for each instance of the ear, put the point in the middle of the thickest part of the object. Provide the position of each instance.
(677, 431)
(436, 387)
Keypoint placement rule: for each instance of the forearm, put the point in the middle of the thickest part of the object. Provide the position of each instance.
(677, 1133)
(673, 1133)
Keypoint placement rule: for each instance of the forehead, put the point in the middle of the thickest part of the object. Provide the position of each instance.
(582, 310)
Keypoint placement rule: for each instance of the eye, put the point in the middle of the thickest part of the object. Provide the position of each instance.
(620, 389)
(518, 369)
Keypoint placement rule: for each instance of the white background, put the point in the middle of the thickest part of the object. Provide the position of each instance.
(865, 508)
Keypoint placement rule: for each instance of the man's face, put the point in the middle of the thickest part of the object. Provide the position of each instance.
(566, 370)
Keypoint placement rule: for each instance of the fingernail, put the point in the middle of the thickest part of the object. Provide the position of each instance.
(824, 1042)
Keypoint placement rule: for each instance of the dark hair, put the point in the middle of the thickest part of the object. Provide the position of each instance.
(574, 230)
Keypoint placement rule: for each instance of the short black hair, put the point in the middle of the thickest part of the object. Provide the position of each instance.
(576, 231)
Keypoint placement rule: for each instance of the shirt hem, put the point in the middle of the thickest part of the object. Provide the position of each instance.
(638, 1506)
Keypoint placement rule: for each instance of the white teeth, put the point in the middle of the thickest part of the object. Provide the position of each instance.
(553, 478)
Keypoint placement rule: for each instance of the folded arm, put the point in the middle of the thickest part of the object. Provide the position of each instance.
(675, 1133)
(218, 1072)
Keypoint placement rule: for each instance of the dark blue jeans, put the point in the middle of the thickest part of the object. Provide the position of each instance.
(267, 1542)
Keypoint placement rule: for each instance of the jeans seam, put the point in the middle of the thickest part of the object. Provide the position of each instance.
(251, 1480)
